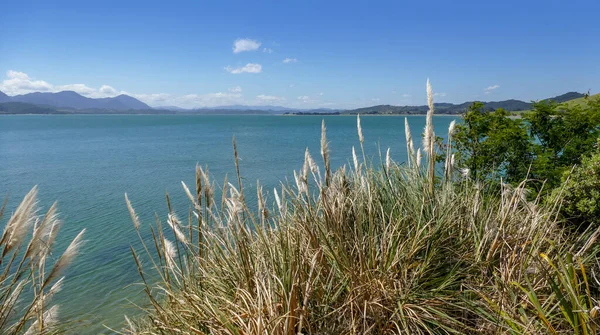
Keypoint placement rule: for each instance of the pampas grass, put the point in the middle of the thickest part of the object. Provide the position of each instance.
(372, 252)
(29, 278)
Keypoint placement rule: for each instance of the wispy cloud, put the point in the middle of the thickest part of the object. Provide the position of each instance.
(191, 100)
(269, 98)
(441, 94)
(245, 44)
(489, 89)
(304, 98)
(290, 60)
(248, 68)
(267, 50)
(375, 99)
(235, 89)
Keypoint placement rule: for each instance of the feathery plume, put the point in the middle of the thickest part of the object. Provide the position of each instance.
(49, 320)
(174, 223)
(67, 257)
(452, 128)
(134, 218)
(465, 172)
(314, 168)
(325, 153)
(277, 200)
(409, 142)
(209, 192)
(169, 253)
(430, 138)
(355, 160)
(360, 133)
(189, 194)
(262, 206)
(19, 223)
(388, 161)
(419, 157)
(38, 244)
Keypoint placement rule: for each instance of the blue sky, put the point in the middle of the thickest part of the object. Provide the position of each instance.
(340, 54)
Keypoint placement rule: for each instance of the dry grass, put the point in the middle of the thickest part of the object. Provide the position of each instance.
(367, 250)
(28, 277)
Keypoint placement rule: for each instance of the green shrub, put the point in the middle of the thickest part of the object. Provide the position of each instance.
(580, 191)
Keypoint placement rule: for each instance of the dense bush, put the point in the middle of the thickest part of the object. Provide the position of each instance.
(580, 192)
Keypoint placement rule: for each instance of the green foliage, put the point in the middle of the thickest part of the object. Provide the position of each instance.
(541, 146)
(560, 137)
(581, 191)
(493, 144)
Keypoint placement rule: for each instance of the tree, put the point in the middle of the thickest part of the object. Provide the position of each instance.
(561, 136)
(492, 144)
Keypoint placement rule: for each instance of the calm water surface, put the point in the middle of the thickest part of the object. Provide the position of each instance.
(88, 162)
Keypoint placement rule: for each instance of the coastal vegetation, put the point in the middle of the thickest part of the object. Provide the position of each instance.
(492, 230)
(378, 247)
(30, 274)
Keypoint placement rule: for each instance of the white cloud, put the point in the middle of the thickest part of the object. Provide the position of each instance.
(245, 44)
(191, 100)
(269, 98)
(441, 95)
(406, 95)
(489, 89)
(292, 85)
(304, 98)
(268, 50)
(290, 60)
(321, 94)
(78, 88)
(107, 90)
(235, 89)
(248, 68)
(21, 83)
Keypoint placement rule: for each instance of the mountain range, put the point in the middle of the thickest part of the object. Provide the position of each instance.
(73, 100)
(448, 108)
(74, 103)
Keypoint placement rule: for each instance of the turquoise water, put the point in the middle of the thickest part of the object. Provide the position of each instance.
(88, 162)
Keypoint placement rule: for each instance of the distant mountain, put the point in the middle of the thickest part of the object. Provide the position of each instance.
(246, 107)
(4, 97)
(448, 108)
(122, 102)
(23, 108)
(172, 108)
(74, 103)
(70, 99)
(567, 97)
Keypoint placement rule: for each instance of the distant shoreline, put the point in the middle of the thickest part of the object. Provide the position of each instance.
(202, 114)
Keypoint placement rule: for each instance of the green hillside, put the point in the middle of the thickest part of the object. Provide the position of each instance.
(581, 101)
